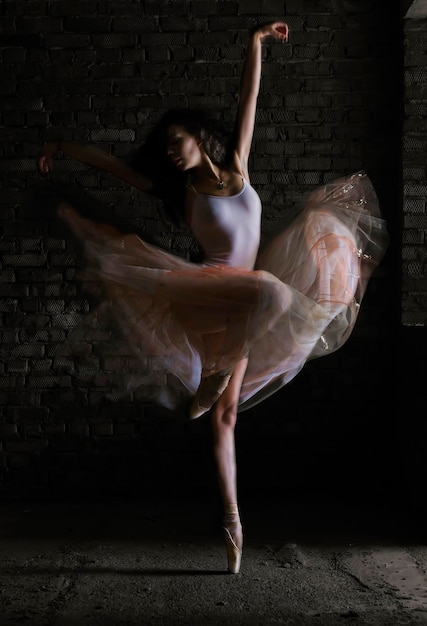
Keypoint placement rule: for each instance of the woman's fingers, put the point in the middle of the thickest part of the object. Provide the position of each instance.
(283, 31)
(278, 30)
(44, 164)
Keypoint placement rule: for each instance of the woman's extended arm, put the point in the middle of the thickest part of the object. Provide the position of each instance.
(94, 157)
(249, 88)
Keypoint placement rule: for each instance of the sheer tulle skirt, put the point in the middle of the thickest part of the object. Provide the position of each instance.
(163, 322)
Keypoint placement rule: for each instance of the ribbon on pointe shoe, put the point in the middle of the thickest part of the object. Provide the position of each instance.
(233, 537)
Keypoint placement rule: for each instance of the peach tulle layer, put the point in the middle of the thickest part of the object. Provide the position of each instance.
(165, 322)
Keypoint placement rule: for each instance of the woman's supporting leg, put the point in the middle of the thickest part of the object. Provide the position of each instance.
(224, 416)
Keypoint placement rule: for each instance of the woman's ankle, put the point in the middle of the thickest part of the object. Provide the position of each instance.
(231, 514)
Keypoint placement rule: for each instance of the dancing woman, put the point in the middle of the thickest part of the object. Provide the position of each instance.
(231, 330)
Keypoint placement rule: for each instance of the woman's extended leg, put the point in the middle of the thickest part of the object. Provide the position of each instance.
(224, 416)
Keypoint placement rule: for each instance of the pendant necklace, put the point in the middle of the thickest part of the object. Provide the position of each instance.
(220, 182)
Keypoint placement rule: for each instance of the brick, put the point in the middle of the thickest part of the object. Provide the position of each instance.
(54, 430)
(122, 102)
(31, 430)
(48, 382)
(36, 104)
(126, 429)
(17, 366)
(8, 431)
(154, 8)
(38, 24)
(157, 53)
(41, 365)
(115, 40)
(89, 24)
(134, 23)
(22, 40)
(68, 103)
(16, 461)
(73, 40)
(102, 429)
(80, 429)
(113, 135)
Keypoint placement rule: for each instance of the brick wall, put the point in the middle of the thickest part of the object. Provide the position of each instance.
(414, 256)
(413, 363)
(103, 73)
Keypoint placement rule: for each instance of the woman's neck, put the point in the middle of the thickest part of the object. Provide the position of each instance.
(208, 173)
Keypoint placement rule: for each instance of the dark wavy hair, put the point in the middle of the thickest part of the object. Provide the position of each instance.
(151, 158)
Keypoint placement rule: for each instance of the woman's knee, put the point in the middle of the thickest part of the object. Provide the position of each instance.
(224, 419)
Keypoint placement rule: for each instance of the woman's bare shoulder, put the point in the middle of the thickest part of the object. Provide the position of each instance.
(239, 167)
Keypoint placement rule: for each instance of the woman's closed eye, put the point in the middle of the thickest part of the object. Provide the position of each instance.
(174, 141)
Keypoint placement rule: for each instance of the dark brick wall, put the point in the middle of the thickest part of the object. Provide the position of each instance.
(414, 256)
(103, 72)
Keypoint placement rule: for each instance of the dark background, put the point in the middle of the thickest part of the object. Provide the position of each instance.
(332, 102)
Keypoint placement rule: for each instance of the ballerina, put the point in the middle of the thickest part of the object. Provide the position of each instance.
(237, 326)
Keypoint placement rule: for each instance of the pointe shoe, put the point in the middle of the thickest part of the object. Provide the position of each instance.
(210, 389)
(234, 553)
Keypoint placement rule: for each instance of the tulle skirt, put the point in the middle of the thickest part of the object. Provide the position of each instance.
(162, 322)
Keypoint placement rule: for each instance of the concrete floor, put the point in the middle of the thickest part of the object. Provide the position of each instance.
(160, 562)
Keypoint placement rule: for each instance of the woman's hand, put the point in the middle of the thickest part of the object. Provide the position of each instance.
(94, 158)
(44, 160)
(277, 30)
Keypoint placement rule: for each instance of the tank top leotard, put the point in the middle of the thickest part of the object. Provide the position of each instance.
(228, 227)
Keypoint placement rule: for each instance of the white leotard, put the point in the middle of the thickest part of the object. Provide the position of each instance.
(228, 228)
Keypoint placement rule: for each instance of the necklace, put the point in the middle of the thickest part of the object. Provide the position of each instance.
(220, 183)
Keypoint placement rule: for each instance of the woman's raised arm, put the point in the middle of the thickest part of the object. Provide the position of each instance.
(249, 88)
(95, 158)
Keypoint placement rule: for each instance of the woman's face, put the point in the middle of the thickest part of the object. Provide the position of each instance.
(183, 148)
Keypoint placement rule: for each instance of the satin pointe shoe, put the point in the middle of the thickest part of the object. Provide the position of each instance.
(233, 539)
(234, 553)
(210, 389)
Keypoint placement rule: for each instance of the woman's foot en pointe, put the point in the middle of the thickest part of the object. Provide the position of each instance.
(209, 391)
(234, 553)
(233, 536)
